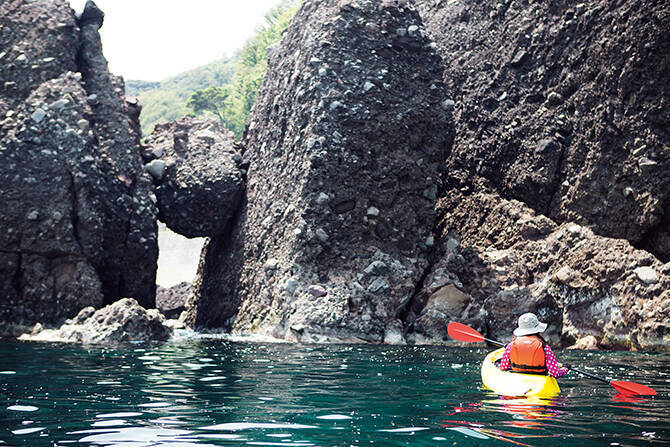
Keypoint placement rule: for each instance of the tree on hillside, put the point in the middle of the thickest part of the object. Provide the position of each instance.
(166, 100)
(234, 105)
(215, 100)
(160, 105)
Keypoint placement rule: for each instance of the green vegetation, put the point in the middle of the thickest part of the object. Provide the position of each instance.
(232, 103)
(225, 89)
(215, 100)
(166, 100)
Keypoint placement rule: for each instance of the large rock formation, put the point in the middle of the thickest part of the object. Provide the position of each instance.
(200, 184)
(77, 223)
(344, 146)
(361, 220)
(564, 107)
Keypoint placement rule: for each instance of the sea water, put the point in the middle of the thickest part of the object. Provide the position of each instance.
(214, 392)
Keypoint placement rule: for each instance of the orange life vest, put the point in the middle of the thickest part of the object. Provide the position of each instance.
(527, 355)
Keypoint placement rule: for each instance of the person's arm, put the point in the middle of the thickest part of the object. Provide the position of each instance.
(504, 360)
(552, 364)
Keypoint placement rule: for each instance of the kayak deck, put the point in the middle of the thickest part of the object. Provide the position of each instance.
(515, 384)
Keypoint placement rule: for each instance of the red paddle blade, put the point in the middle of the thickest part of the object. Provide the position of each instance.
(461, 332)
(632, 388)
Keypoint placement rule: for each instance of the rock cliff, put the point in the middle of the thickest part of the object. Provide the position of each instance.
(77, 220)
(558, 172)
(406, 164)
(564, 107)
(344, 147)
(500, 259)
(553, 197)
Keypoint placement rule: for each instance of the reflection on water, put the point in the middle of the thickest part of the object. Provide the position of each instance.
(218, 392)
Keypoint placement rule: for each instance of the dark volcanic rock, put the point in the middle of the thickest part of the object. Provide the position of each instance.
(561, 113)
(507, 260)
(27, 58)
(195, 165)
(564, 107)
(344, 146)
(77, 226)
(130, 228)
(170, 301)
(121, 322)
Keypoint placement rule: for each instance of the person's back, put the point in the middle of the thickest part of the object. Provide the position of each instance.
(528, 352)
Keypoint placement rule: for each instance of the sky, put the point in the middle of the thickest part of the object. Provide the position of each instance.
(154, 39)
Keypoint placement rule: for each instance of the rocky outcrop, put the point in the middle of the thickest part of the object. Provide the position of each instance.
(121, 322)
(359, 220)
(130, 229)
(196, 167)
(77, 223)
(171, 301)
(564, 107)
(556, 198)
(344, 147)
(508, 260)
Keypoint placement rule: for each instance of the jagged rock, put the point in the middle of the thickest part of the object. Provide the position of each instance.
(170, 301)
(596, 90)
(588, 343)
(91, 15)
(444, 305)
(351, 109)
(130, 233)
(29, 59)
(120, 322)
(393, 334)
(77, 226)
(580, 283)
(199, 183)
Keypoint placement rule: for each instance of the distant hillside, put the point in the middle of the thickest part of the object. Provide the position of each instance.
(227, 88)
(166, 100)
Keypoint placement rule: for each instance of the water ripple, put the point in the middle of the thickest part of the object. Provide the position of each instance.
(216, 391)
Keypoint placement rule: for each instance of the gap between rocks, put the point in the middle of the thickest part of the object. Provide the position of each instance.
(16, 277)
(418, 288)
(214, 251)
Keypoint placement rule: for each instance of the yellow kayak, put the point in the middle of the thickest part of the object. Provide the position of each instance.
(516, 384)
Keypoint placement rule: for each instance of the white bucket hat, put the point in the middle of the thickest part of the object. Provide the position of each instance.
(529, 324)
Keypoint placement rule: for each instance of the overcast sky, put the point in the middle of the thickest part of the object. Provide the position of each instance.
(155, 39)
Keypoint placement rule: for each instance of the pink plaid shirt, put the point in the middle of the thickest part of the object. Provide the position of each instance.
(550, 359)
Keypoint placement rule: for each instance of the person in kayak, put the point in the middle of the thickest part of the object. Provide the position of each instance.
(528, 352)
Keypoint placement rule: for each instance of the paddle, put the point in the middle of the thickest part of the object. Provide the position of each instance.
(622, 386)
(461, 332)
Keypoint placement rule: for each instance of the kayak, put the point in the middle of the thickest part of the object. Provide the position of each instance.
(509, 383)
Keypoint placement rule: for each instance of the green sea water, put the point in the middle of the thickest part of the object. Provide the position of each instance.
(211, 392)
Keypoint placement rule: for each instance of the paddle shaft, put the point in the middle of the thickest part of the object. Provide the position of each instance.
(493, 342)
(593, 376)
